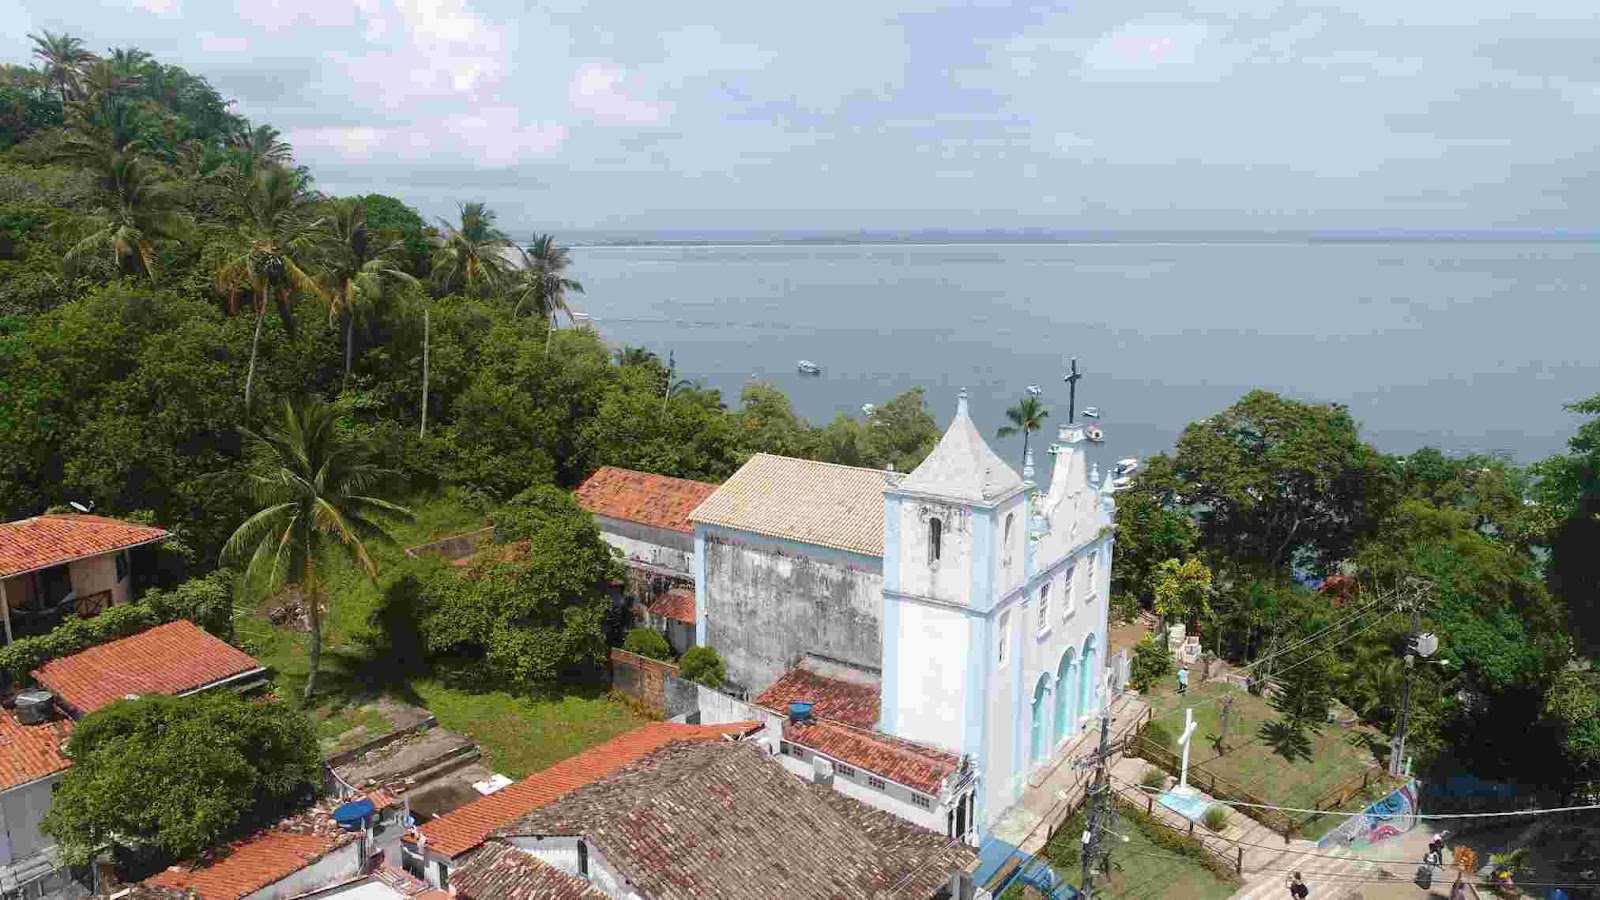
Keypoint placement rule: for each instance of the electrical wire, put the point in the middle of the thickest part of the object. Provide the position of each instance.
(1424, 816)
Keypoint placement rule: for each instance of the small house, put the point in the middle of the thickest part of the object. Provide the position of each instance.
(53, 566)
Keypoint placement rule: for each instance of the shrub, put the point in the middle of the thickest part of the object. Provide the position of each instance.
(647, 641)
(1152, 661)
(702, 665)
(1154, 779)
(1215, 818)
(1157, 733)
(206, 601)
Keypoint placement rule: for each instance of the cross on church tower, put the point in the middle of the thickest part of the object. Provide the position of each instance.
(1072, 391)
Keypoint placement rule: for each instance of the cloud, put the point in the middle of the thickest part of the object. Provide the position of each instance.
(1152, 44)
(159, 7)
(216, 43)
(599, 91)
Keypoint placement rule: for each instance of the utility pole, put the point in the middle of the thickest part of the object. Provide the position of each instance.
(1098, 803)
(1417, 644)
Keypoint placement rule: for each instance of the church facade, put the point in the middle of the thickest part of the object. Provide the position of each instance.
(974, 601)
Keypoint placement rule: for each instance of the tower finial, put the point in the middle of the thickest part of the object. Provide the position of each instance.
(961, 402)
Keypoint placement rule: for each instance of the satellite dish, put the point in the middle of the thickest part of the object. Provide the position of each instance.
(78, 506)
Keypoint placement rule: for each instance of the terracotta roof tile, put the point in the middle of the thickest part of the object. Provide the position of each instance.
(499, 871)
(913, 765)
(168, 659)
(462, 829)
(843, 701)
(642, 497)
(44, 541)
(30, 752)
(676, 604)
(727, 822)
(267, 857)
(803, 500)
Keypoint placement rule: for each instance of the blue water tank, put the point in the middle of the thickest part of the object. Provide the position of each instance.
(354, 814)
(799, 712)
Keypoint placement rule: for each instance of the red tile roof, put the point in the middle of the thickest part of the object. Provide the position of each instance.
(642, 497)
(30, 752)
(44, 541)
(263, 859)
(458, 831)
(913, 765)
(843, 701)
(676, 604)
(174, 658)
(502, 872)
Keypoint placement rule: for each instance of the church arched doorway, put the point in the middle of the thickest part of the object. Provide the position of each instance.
(1041, 708)
(1088, 679)
(1066, 693)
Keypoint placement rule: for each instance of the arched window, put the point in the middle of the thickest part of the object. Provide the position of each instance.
(1044, 606)
(1005, 552)
(1005, 635)
(935, 539)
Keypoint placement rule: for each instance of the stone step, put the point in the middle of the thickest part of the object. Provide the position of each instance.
(1331, 874)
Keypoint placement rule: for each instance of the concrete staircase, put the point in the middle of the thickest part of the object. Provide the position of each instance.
(1332, 874)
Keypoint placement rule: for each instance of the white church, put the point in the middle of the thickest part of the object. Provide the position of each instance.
(946, 626)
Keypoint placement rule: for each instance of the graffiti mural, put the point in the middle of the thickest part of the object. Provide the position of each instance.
(1392, 815)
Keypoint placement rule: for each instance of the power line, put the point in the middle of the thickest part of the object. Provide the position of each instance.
(1428, 816)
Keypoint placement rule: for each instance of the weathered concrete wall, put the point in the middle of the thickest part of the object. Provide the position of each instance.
(661, 547)
(768, 601)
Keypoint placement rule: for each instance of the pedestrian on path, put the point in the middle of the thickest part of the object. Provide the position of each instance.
(1297, 887)
(1458, 891)
(1183, 681)
(1436, 850)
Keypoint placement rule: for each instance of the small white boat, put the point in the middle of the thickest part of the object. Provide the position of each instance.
(1094, 433)
(1035, 390)
(1121, 484)
(1125, 467)
(868, 409)
(807, 367)
(1091, 412)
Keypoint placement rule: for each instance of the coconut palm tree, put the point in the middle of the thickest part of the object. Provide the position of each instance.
(1027, 417)
(470, 259)
(358, 266)
(136, 209)
(276, 235)
(311, 488)
(541, 283)
(64, 57)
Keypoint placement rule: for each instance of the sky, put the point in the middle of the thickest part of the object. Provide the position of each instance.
(1234, 114)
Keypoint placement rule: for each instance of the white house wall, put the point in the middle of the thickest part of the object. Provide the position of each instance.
(894, 799)
(933, 644)
(342, 863)
(661, 547)
(21, 810)
(562, 853)
(96, 574)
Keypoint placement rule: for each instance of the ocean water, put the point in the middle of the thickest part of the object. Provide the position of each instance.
(1461, 346)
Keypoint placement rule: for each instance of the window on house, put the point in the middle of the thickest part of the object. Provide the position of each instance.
(875, 783)
(1092, 589)
(1005, 544)
(786, 748)
(935, 538)
(583, 859)
(122, 566)
(1044, 606)
(1005, 635)
(1066, 593)
(444, 877)
(921, 801)
(844, 770)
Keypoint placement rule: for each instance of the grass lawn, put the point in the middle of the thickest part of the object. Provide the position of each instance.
(1147, 867)
(518, 734)
(1336, 753)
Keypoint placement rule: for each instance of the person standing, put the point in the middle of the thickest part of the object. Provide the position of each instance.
(1297, 887)
(1183, 681)
(1436, 850)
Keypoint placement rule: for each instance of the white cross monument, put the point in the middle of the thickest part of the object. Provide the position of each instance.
(1183, 789)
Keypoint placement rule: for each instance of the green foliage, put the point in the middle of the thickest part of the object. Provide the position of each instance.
(1152, 663)
(702, 665)
(1153, 779)
(649, 642)
(1572, 706)
(1569, 487)
(1026, 417)
(181, 774)
(1215, 818)
(1183, 591)
(206, 601)
(1159, 734)
(19, 658)
(1150, 530)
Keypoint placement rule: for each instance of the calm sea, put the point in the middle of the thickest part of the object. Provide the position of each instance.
(1462, 346)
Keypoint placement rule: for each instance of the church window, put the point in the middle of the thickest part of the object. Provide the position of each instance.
(1044, 606)
(875, 783)
(922, 801)
(935, 538)
(1005, 635)
(844, 770)
(1093, 589)
(1005, 557)
(1066, 593)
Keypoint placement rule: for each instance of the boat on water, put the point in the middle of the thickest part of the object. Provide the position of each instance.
(1125, 467)
(1094, 433)
(807, 367)
(868, 409)
(1091, 412)
(1035, 390)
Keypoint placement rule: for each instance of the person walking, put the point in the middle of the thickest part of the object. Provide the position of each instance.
(1183, 681)
(1297, 887)
(1436, 850)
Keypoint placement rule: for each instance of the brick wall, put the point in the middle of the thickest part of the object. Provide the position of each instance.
(652, 682)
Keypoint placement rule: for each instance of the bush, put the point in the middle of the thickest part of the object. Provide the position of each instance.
(1158, 734)
(1154, 779)
(22, 656)
(703, 666)
(1152, 661)
(1215, 818)
(647, 641)
(206, 601)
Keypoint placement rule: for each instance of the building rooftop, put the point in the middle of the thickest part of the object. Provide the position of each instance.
(831, 698)
(916, 766)
(803, 500)
(248, 865)
(175, 658)
(962, 466)
(676, 604)
(30, 752)
(458, 831)
(499, 871)
(727, 822)
(643, 497)
(28, 545)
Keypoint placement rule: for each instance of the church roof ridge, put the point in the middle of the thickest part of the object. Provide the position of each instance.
(962, 466)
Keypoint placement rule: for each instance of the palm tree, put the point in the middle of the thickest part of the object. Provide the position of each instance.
(359, 264)
(137, 208)
(470, 258)
(130, 61)
(262, 145)
(1027, 417)
(268, 246)
(63, 57)
(311, 486)
(542, 283)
